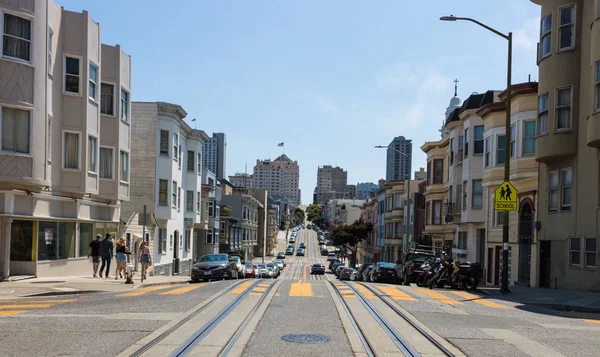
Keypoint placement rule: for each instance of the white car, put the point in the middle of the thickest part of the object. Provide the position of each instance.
(239, 265)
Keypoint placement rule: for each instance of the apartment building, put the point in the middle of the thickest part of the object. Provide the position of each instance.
(242, 180)
(465, 176)
(331, 183)
(343, 211)
(280, 177)
(168, 174)
(567, 143)
(399, 159)
(420, 175)
(410, 211)
(215, 155)
(394, 220)
(438, 231)
(244, 209)
(366, 248)
(365, 189)
(64, 143)
(230, 238)
(378, 250)
(523, 175)
(207, 238)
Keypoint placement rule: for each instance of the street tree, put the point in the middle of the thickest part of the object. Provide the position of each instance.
(314, 213)
(350, 236)
(298, 216)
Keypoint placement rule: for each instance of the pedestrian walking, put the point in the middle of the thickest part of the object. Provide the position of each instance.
(106, 252)
(122, 252)
(94, 252)
(144, 257)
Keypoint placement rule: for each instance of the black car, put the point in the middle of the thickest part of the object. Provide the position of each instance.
(409, 268)
(300, 252)
(382, 272)
(214, 266)
(302, 245)
(281, 255)
(317, 269)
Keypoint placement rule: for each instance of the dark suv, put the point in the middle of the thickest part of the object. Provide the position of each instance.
(214, 266)
(409, 268)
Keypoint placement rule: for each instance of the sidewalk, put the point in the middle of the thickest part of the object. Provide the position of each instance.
(279, 247)
(554, 299)
(80, 285)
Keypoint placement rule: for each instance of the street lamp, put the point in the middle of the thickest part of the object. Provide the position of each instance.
(508, 37)
(408, 195)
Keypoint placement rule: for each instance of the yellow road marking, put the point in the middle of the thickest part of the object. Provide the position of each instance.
(349, 296)
(346, 292)
(478, 299)
(260, 290)
(34, 301)
(23, 306)
(145, 291)
(277, 294)
(183, 290)
(264, 285)
(241, 288)
(305, 269)
(301, 289)
(439, 297)
(255, 294)
(366, 293)
(395, 293)
(12, 312)
(592, 321)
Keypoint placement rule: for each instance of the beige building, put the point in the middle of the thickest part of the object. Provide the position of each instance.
(65, 141)
(567, 145)
(281, 177)
(242, 180)
(331, 183)
(523, 175)
(421, 175)
(394, 220)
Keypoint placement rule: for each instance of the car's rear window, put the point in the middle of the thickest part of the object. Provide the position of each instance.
(387, 265)
(419, 256)
(248, 265)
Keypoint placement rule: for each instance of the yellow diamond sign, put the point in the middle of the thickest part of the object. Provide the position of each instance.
(505, 197)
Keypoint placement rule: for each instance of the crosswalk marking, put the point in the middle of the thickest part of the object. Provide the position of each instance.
(183, 290)
(395, 293)
(12, 312)
(439, 297)
(254, 294)
(478, 299)
(26, 306)
(259, 290)
(25, 301)
(301, 289)
(592, 321)
(364, 291)
(145, 290)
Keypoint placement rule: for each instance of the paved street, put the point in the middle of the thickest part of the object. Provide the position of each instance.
(250, 318)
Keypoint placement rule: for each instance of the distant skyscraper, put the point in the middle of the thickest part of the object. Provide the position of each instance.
(280, 177)
(214, 155)
(331, 183)
(399, 165)
(364, 190)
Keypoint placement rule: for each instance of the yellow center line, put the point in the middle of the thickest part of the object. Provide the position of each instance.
(364, 291)
(34, 301)
(304, 276)
(592, 321)
(439, 297)
(241, 288)
(479, 300)
(395, 293)
(12, 312)
(183, 290)
(24, 306)
(145, 291)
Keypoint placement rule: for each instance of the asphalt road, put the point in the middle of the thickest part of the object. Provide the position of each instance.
(254, 317)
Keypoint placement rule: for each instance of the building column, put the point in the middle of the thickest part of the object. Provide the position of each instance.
(6, 244)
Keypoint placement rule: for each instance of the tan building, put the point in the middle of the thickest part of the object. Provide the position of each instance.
(281, 177)
(567, 144)
(523, 175)
(394, 220)
(331, 184)
(65, 143)
(421, 174)
(242, 180)
(437, 231)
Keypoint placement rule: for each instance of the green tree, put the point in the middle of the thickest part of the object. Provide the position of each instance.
(314, 213)
(298, 217)
(350, 235)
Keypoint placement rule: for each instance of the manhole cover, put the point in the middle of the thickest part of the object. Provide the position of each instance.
(306, 338)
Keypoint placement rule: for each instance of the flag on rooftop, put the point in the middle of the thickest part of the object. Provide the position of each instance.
(280, 145)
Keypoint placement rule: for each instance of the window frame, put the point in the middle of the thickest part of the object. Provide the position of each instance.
(199, 163)
(544, 35)
(175, 145)
(112, 162)
(541, 112)
(127, 104)
(93, 82)
(30, 136)
(211, 208)
(565, 206)
(121, 152)
(160, 141)
(95, 170)
(525, 138)
(174, 194)
(79, 150)
(188, 240)
(179, 198)
(577, 252)
(474, 193)
(64, 75)
(476, 141)
(209, 232)
(559, 190)
(513, 141)
(593, 252)
(500, 138)
(113, 85)
(467, 133)
(191, 154)
(597, 81)
(571, 24)
(427, 212)
(166, 193)
(189, 204)
(557, 108)
(435, 171)
(31, 20)
(555, 190)
(435, 203)
(487, 151)
(198, 203)
(50, 48)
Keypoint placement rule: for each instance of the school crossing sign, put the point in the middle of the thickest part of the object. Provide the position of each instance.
(505, 197)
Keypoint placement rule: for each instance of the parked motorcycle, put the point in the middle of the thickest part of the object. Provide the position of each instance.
(428, 268)
(457, 274)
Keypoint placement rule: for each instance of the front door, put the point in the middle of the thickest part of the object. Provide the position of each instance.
(545, 253)
(525, 236)
(176, 252)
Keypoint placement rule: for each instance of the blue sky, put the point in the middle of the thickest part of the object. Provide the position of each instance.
(331, 79)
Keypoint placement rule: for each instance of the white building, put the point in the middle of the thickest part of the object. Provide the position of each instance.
(280, 177)
(166, 176)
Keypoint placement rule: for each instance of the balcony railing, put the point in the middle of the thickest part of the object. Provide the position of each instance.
(458, 157)
(454, 208)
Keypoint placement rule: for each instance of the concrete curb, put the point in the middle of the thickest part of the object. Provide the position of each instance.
(59, 293)
(567, 307)
(144, 285)
(484, 292)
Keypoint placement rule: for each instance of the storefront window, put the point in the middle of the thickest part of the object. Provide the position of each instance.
(56, 240)
(21, 241)
(103, 228)
(86, 235)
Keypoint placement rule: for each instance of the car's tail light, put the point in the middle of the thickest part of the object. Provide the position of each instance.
(412, 266)
(378, 270)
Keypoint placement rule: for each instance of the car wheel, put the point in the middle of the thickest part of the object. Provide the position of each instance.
(195, 280)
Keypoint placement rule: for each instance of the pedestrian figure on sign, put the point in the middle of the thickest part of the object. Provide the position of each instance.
(508, 192)
(502, 193)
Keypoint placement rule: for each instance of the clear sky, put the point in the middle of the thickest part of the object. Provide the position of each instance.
(330, 79)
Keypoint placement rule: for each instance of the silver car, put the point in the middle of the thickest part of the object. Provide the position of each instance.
(262, 272)
(280, 264)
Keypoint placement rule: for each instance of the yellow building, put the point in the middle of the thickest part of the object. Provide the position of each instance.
(523, 175)
(394, 220)
(437, 231)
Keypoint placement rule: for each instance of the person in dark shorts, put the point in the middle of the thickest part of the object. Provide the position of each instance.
(94, 252)
(106, 252)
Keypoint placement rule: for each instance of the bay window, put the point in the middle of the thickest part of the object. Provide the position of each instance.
(529, 137)
(566, 31)
(93, 81)
(71, 150)
(478, 140)
(16, 127)
(500, 149)
(106, 163)
(16, 42)
(72, 75)
(543, 114)
(546, 36)
(563, 108)
(124, 166)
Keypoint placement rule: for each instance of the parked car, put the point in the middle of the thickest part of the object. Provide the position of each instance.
(335, 265)
(240, 267)
(275, 269)
(281, 255)
(366, 272)
(383, 272)
(271, 273)
(214, 266)
(317, 269)
(338, 270)
(263, 272)
(345, 273)
(409, 268)
(249, 270)
(354, 275)
(280, 264)
(289, 251)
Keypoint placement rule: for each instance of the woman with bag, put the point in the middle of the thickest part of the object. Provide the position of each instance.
(144, 257)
